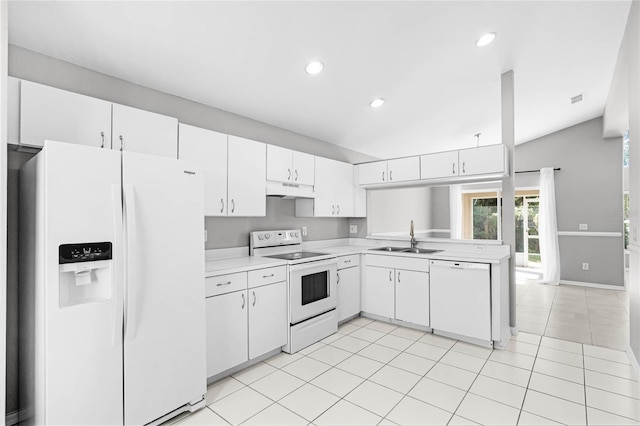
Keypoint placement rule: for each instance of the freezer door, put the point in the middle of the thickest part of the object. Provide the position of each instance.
(79, 324)
(164, 341)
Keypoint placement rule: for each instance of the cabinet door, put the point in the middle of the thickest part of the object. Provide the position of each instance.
(412, 297)
(303, 168)
(344, 190)
(267, 318)
(439, 165)
(227, 336)
(209, 150)
(50, 113)
(324, 204)
(482, 160)
(144, 132)
(404, 169)
(379, 291)
(348, 292)
(246, 177)
(375, 172)
(279, 162)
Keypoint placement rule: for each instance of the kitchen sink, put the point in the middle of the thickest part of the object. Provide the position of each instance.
(420, 251)
(389, 248)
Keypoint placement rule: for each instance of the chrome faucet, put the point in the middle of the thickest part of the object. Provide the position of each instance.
(413, 239)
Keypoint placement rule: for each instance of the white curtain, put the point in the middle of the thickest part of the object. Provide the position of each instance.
(548, 229)
(455, 211)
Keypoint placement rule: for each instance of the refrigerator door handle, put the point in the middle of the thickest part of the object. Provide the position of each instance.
(130, 254)
(116, 202)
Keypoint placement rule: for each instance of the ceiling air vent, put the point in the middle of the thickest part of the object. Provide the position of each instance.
(577, 98)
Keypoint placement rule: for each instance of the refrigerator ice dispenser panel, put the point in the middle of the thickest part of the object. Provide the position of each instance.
(85, 272)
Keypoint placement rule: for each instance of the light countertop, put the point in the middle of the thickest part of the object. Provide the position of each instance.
(239, 264)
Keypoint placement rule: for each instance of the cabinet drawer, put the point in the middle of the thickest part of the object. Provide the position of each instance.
(398, 262)
(222, 284)
(267, 276)
(348, 261)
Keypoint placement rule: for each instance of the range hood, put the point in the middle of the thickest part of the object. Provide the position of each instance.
(289, 190)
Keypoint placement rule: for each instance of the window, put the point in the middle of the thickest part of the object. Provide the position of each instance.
(482, 216)
(625, 149)
(625, 212)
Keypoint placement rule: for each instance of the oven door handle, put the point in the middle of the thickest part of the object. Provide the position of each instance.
(315, 265)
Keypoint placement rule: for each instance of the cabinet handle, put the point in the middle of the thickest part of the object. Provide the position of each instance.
(243, 301)
(390, 277)
(102, 135)
(233, 206)
(121, 143)
(289, 177)
(296, 176)
(383, 176)
(398, 276)
(338, 207)
(267, 276)
(463, 170)
(221, 284)
(333, 209)
(390, 175)
(338, 274)
(347, 261)
(453, 168)
(221, 205)
(254, 298)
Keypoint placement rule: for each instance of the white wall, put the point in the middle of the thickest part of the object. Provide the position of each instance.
(392, 210)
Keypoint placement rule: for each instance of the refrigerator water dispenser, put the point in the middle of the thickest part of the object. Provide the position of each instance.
(85, 273)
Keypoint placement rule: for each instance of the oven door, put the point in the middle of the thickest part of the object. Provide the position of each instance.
(313, 289)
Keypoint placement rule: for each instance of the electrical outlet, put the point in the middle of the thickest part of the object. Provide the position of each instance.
(304, 231)
(205, 235)
(583, 227)
(585, 266)
(353, 229)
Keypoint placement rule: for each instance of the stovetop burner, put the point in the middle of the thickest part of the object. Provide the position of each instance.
(296, 255)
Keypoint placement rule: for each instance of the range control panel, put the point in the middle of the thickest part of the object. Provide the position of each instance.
(275, 238)
(84, 252)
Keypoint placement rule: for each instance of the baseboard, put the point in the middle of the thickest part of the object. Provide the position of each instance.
(514, 330)
(633, 359)
(594, 285)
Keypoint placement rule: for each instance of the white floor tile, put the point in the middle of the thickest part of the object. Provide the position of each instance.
(384, 327)
(610, 367)
(332, 338)
(277, 385)
(557, 355)
(223, 388)
(434, 339)
(345, 413)
(528, 419)
(512, 358)
(360, 321)
(309, 401)
(498, 391)
(553, 408)
(240, 405)
(284, 358)
(311, 348)
(347, 328)
(204, 417)
(367, 334)
(606, 353)
(469, 349)
(613, 403)
(408, 333)
(460, 421)
(464, 361)
(438, 394)
(525, 337)
(602, 418)
(562, 371)
(506, 373)
(413, 412)
(454, 376)
(486, 411)
(360, 366)
(330, 355)
(557, 387)
(412, 363)
(563, 345)
(426, 350)
(387, 422)
(350, 344)
(395, 378)
(306, 368)
(254, 373)
(521, 347)
(379, 353)
(374, 397)
(395, 342)
(276, 415)
(613, 384)
(337, 382)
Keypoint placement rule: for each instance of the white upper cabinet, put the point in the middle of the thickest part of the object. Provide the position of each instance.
(208, 149)
(50, 113)
(334, 191)
(246, 174)
(144, 132)
(344, 189)
(403, 169)
(375, 172)
(439, 165)
(483, 160)
(285, 165)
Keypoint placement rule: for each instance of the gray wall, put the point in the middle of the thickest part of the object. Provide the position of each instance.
(588, 190)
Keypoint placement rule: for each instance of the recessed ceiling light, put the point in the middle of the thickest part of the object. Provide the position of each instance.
(314, 67)
(485, 39)
(376, 103)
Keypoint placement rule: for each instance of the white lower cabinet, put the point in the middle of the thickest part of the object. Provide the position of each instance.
(348, 286)
(267, 318)
(379, 291)
(412, 297)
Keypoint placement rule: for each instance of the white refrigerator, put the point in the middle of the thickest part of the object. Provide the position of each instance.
(112, 287)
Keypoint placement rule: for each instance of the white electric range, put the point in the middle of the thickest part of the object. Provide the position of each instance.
(312, 284)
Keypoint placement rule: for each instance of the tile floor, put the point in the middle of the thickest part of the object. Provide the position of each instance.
(580, 314)
(374, 373)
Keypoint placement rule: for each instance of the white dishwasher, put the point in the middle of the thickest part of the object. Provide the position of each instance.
(461, 298)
